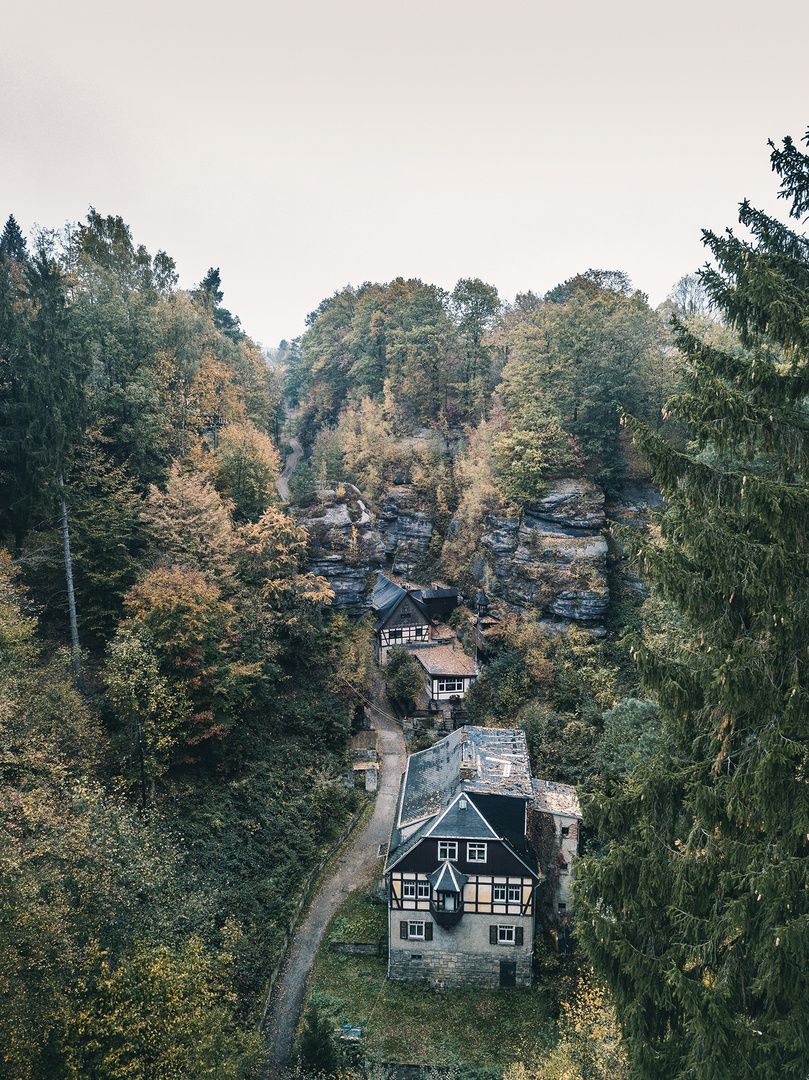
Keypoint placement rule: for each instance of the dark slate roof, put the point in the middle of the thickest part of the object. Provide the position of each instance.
(438, 594)
(447, 878)
(474, 759)
(466, 822)
(490, 765)
(509, 815)
(387, 596)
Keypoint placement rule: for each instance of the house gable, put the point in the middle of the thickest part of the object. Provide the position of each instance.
(501, 859)
(462, 818)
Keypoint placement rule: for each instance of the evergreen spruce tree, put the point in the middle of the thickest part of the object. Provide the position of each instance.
(42, 410)
(698, 913)
(13, 244)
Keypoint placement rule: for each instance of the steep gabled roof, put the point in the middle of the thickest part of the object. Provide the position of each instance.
(447, 878)
(387, 596)
(489, 766)
(463, 821)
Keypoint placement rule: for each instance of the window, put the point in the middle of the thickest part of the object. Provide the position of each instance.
(563, 867)
(424, 890)
(565, 830)
(450, 686)
(499, 894)
(476, 852)
(447, 849)
(562, 909)
(415, 930)
(515, 894)
(506, 935)
(409, 890)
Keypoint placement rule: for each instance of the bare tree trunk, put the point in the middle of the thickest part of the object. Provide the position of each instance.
(71, 599)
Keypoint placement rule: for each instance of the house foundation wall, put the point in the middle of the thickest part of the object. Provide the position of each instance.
(458, 968)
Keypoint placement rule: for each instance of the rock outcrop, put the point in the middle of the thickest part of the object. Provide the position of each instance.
(554, 558)
(345, 549)
(348, 544)
(405, 529)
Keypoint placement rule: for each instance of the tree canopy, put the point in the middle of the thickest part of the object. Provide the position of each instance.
(697, 915)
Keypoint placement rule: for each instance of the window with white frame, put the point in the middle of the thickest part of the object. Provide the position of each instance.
(447, 849)
(409, 890)
(415, 930)
(515, 894)
(499, 894)
(424, 890)
(476, 852)
(450, 686)
(506, 935)
(565, 830)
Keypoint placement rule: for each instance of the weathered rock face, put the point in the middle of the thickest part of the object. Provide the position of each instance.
(635, 508)
(555, 558)
(347, 547)
(405, 529)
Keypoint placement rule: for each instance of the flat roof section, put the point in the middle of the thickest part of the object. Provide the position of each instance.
(552, 798)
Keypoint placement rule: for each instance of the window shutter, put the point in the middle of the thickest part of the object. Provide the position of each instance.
(403, 929)
(518, 935)
(428, 931)
(492, 935)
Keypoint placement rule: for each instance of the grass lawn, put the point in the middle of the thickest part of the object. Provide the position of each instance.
(480, 1031)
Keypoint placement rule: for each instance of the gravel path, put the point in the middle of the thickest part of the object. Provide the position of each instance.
(281, 483)
(355, 863)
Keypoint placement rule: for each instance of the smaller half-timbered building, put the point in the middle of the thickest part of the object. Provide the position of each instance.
(460, 875)
(401, 617)
(448, 670)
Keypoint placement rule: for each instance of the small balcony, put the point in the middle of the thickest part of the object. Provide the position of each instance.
(447, 917)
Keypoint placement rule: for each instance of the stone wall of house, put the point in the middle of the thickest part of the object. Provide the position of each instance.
(462, 953)
(445, 967)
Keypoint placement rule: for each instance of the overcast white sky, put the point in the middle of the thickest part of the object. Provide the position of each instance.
(304, 145)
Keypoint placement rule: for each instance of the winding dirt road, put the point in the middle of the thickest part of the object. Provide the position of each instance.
(356, 863)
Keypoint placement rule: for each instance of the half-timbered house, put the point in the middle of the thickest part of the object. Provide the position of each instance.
(460, 875)
(401, 617)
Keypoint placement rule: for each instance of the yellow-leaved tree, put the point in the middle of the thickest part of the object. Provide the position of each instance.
(589, 1046)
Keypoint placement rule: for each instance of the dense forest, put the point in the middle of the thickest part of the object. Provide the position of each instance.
(177, 686)
(170, 769)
